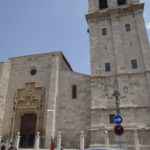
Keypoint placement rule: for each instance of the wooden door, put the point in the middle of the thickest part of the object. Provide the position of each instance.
(27, 130)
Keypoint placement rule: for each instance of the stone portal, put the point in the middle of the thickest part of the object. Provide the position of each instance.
(29, 112)
(27, 130)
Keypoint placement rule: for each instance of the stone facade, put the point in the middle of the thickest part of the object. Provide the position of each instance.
(48, 94)
(62, 100)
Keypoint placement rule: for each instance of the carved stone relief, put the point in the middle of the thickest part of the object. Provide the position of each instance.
(29, 97)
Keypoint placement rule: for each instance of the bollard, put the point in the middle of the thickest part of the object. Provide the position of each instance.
(106, 137)
(82, 140)
(37, 141)
(59, 141)
(18, 140)
(0, 139)
(136, 138)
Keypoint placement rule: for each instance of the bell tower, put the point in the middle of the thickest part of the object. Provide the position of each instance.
(120, 54)
(118, 37)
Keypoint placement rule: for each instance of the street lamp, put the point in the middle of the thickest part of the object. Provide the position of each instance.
(118, 129)
(116, 94)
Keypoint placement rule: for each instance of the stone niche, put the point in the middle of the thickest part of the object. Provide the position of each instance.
(29, 101)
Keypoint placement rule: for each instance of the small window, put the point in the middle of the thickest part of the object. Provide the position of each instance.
(128, 27)
(107, 67)
(33, 72)
(104, 31)
(88, 30)
(74, 91)
(103, 4)
(111, 118)
(121, 2)
(134, 64)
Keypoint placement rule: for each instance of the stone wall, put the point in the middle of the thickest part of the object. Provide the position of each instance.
(73, 115)
(4, 80)
(134, 104)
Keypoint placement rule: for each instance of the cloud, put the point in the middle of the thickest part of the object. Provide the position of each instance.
(148, 25)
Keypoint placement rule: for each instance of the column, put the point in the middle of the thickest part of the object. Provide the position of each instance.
(37, 141)
(18, 140)
(82, 140)
(59, 140)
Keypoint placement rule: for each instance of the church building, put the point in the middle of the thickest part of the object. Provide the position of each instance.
(42, 95)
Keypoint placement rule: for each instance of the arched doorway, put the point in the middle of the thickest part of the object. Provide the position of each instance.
(27, 130)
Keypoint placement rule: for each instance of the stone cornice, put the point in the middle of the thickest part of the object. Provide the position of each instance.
(114, 11)
(121, 107)
(119, 74)
(110, 128)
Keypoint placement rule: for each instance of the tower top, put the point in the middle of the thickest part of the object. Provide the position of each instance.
(101, 5)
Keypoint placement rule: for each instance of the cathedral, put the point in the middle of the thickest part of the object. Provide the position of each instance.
(42, 95)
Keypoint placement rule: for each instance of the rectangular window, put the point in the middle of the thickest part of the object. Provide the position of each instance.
(103, 4)
(111, 118)
(128, 27)
(74, 91)
(121, 2)
(107, 67)
(104, 31)
(134, 64)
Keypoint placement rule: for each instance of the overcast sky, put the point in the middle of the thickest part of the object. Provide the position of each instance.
(38, 26)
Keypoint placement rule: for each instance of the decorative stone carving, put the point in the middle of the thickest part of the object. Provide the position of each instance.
(30, 96)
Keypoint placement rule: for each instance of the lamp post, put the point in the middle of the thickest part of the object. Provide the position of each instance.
(116, 94)
(118, 129)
